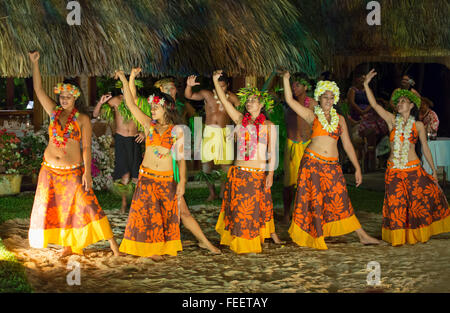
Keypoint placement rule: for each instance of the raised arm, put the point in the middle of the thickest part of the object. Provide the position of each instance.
(188, 94)
(47, 103)
(303, 112)
(105, 98)
(234, 114)
(134, 73)
(385, 115)
(140, 116)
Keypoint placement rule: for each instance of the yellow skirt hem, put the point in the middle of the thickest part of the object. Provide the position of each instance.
(76, 238)
(399, 237)
(241, 245)
(332, 229)
(146, 249)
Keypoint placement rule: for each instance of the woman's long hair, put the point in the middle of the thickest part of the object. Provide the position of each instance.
(170, 110)
(415, 113)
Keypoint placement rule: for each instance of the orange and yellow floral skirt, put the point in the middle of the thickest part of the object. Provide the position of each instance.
(415, 207)
(153, 226)
(246, 217)
(64, 213)
(322, 207)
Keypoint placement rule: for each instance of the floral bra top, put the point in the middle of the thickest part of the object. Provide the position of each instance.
(413, 138)
(61, 133)
(317, 130)
(166, 139)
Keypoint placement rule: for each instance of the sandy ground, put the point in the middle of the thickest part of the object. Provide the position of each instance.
(289, 268)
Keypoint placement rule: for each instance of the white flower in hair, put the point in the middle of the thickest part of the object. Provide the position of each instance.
(326, 85)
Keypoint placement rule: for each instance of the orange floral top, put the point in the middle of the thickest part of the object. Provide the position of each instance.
(317, 130)
(413, 138)
(75, 134)
(166, 139)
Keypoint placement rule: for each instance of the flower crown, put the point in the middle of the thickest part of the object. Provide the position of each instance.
(138, 83)
(408, 94)
(326, 85)
(160, 101)
(264, 97)
(72, 89)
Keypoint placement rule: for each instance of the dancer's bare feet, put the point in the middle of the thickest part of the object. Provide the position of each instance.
(365, 239)
(211, 197)
(114, 247)
(208, 245)
(276, 239)
(157, 258)
(66, 252)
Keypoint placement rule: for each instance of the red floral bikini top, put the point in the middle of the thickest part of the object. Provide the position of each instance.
(412, 139)
(317, 130)
(166, 139)
(70, 131)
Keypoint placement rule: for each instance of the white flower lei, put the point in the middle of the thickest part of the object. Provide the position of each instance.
(329, 127)
(401, 151)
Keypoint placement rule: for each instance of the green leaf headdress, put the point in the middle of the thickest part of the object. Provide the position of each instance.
(408, 94)
(264, 97)
(138, 83)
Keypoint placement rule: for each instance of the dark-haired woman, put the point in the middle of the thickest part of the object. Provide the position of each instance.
(246, 217)
(414, 208)
(65, 210)
(153, 227)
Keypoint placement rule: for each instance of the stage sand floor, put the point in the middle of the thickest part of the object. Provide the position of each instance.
(288, 268)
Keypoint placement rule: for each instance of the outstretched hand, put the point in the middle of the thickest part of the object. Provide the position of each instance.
(135, 71)
(191, 81)
(217, 74)
(34, 56)
(119, 74)
(105, 98)
(369, 76)
(358, 178)
(286, 74)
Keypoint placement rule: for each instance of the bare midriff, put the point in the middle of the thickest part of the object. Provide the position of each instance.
(68, 155)
(325, 146)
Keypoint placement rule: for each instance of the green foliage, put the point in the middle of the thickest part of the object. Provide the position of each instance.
(211, 177)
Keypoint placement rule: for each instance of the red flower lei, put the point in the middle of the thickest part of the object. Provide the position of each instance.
(58, 140)
(246, 120)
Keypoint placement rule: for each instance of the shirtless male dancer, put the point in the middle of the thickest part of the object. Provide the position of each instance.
(298, 135)
(215, 132)
(127, 142)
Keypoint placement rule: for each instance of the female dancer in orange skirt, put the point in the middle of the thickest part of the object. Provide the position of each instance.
(65, 210)
(246, 217)
(414, 208)
(322, 206)
(153, 227)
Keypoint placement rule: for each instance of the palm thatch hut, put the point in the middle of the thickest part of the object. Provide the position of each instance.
(412, 31)
(162, 36)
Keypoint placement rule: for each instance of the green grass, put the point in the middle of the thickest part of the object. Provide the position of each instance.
(12, 273)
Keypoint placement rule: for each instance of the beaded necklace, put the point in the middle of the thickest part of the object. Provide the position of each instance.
(60, 141)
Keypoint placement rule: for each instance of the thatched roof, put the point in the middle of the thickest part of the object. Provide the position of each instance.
(240, 36)
(410, 31)
(161, 36)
